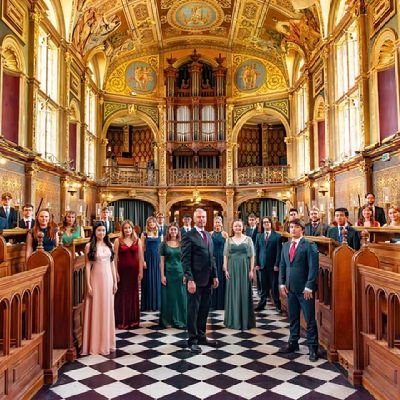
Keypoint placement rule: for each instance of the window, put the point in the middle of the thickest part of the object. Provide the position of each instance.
(347, 97)
(47, 100)
(302, 108)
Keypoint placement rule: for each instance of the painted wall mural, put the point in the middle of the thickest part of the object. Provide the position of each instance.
(141, 77)
(250, 76)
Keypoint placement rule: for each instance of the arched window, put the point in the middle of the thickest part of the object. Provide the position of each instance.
(347, 96)
(48, 97)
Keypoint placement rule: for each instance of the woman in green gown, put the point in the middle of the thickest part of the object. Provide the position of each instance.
(239, 272)
(173, 289)
(71, 228)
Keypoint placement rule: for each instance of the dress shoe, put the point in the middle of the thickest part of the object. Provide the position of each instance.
(195, 349)
(279, 310)
(259, 307)
(289, 348)
(313, 355)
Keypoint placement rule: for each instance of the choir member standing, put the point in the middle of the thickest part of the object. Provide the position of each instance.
(72, 230)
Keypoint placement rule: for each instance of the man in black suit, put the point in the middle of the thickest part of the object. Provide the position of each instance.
(251, 229)
(187, 224)
(298, 272)
(315, 227)
(337, 232)
(27, 221)
(8, 212)
(162, 228)
(200, 273)
(105, 219)
(293, 214)
(379, 212)
(268, 254)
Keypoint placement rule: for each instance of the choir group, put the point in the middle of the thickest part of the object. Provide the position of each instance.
(184, 272)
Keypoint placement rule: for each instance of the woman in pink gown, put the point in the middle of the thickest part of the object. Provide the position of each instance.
(129, 260)
(101, 285)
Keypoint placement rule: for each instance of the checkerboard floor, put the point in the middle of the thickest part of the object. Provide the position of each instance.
(153, 363)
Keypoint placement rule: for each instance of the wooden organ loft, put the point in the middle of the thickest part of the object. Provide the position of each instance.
(196, 120)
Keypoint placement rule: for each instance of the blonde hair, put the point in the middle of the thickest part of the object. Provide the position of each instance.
(130, 223)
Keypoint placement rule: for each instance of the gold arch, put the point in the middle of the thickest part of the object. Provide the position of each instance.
(13, 55)
(204, 196)
(124, 113)
(144, 198)
(319, 108)
(384, 49)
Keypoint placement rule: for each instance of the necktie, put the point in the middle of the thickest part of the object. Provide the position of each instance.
(341, 233)
(266, 237)
(204, 236)
(292, 250)
(28, 224)
(7, 212)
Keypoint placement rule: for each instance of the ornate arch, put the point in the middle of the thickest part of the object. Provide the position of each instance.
(56, 12)
(336, 7)
(384, 49)
(319, 108)
(129, 111)
(75, 115)
(204, 196)
(153, 200)
(12, 55)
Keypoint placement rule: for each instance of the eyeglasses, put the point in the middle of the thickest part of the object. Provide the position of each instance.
(266, 222)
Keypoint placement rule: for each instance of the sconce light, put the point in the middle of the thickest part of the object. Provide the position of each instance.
(2, 160)
(323, 190)
(196, 197)
(72, 187)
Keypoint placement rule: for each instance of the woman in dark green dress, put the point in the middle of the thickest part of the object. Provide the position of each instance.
(219, 237)
(239, 272)
(173, 289)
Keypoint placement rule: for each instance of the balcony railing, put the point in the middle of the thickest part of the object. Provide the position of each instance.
(196, 177)
(262, 175)
(130, 176)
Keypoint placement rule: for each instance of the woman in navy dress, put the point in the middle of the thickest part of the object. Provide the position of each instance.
(151, 282)
(219, 236)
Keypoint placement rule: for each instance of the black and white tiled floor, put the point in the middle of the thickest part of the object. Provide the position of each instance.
(152, 363)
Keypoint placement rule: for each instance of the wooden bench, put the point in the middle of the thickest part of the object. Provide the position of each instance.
(12, 251)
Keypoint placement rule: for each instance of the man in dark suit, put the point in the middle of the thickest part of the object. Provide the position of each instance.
(268, 254)
(8, 212)
(200, 273)
(293, 214)
(251, 229)
(3, 223)
(105, 219)
(162, 228)
(27, 221)
(315, 227)
(187, 224)
(298, 272)
(379, 212)
(337, 232)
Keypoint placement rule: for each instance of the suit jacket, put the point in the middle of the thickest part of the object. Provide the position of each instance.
(379, 215)
(353, 238)
(12, 218)
(302, 272)
(22, 223)
(198, 258)
(111, 227)
(268, 254)
(183, 232)
(3, 223)
(321, 230)
(251, 234)
(162, 231)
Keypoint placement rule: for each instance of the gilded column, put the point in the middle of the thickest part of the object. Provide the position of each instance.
(102, 151)
(366, 168)
(162, 201)
(31, 170)
(329, 90)
(83, 155)
(229, 146)
(290, 141)
(162, 164)
(35, 18)
(64, 96)
(309, 124)
(229, 216)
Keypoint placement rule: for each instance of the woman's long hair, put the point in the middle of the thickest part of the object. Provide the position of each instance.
(50, 229)
(130, 223)
(361, 220)
(65, 223)
(168, 235)
(93, 243)
(148, 230)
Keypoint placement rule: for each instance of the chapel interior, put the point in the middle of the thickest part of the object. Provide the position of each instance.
(236, 106)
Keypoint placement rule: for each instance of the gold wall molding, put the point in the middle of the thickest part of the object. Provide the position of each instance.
(15, 16)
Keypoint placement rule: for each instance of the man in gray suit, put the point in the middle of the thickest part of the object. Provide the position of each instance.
(315, 227)
(298, 272)
(379, 212)
(268, 254)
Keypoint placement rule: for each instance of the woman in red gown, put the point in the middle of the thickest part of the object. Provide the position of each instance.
(129, 259)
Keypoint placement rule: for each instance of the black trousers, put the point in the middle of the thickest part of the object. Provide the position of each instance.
(197, 313)
(269, 283)
(297, 302)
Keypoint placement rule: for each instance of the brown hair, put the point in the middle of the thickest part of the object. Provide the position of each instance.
(65, 223)
(236, 220)
(168, 235)
(361, 220)
(130, 223)
(148, 220)
(36, 227)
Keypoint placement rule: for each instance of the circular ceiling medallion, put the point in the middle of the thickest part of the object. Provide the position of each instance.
(140, 77)
(195, 15)
(250, 76)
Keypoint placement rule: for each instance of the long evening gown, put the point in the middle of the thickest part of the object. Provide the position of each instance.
(239, 313)
(127, 313)
(218, 294)
(173, 295)
(151, 282)
(99, 321)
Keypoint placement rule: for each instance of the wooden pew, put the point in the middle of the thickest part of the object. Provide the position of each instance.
(376, 307)
(380, 235)
(53, 358)
(77, 251)
(25, 329)
(12, 251)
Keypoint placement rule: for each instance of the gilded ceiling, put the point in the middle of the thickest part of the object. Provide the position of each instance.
(135, 28)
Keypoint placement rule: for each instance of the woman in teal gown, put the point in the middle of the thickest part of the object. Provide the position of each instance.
(71, 229)
(239, 271)
(173, 289)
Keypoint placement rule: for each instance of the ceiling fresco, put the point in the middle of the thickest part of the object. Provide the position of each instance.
(130, 29)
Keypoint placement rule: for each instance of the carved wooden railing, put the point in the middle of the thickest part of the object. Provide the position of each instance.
(127, 175)
(262, 175)
(25, 332)
(196, 177)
